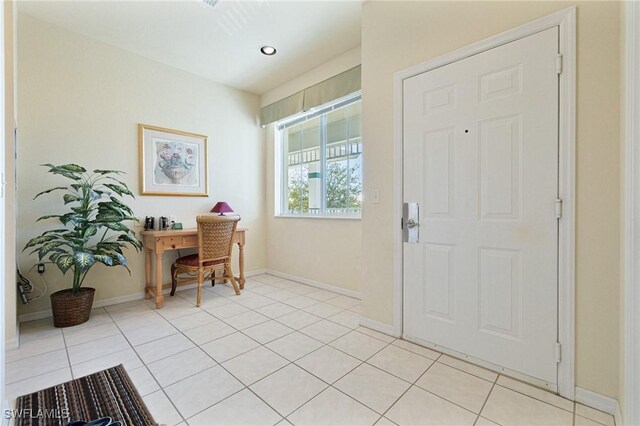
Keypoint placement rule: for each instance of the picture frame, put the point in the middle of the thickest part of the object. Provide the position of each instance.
(172, 162)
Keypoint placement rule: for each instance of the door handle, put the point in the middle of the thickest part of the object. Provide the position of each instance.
(411, 218)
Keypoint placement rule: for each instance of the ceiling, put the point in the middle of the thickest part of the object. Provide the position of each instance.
(220, 43)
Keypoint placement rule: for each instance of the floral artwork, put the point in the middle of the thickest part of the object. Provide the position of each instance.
(176, 164)
(172, 162)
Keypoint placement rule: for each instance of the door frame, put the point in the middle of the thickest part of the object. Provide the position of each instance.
(566, 21)
(631, 234)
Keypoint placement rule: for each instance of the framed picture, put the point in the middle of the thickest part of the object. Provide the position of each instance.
(172, 162)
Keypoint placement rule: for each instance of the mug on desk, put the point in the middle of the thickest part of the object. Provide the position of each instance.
(163, 223)
(149, 223)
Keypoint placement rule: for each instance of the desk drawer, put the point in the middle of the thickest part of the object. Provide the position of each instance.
(177, 242)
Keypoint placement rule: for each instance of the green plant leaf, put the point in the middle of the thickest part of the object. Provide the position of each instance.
(73, 168)
(90, 231)
(70, 198)
(70, 217)
(64, 262)
(59, 231)
(110, 246)
(121, 205)
(49, 216)
(119, 259)
(70, 171)
(49, 190)
(83, 261)
(39, 240)
(132, 240)
(109, 215)
(95, 195)
(80, 210)
(106, 172)
(118, 227)
(104, 259)
(47, 247)
(119, 189)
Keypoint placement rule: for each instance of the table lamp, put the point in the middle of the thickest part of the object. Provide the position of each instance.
(222, 208)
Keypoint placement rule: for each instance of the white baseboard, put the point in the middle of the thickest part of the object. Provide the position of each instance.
(6, 408)
(600, 402)
(32, 316)
(318, 284)
(256, 272)
(378, 326)
(14, 342)
(11, 343)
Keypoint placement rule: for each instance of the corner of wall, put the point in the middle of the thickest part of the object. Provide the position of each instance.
(10, 299)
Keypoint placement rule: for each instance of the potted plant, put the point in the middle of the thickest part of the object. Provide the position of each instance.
(94, 232)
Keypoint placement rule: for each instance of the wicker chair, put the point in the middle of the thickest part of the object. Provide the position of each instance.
(215, 240)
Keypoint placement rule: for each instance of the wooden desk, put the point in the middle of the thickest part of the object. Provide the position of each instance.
(160, 241)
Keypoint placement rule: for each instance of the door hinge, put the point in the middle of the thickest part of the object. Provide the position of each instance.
(559, 208)
(558, 352)
(559, 63)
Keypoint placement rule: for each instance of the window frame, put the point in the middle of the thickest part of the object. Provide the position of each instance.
(281, 163)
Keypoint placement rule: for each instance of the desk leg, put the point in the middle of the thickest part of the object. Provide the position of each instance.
(147, 274)
(241, 264)
(159, 294)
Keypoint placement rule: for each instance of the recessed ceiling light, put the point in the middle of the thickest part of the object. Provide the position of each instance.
(268, 50)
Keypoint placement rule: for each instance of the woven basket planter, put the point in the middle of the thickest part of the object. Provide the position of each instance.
(72, 309)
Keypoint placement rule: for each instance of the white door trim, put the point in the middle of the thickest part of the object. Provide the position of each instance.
(566, 21)
(631, 233)
(3, 142)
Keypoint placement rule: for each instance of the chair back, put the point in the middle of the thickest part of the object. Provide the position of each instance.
(215, 236)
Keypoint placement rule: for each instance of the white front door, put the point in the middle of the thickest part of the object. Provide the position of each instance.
(481, 160)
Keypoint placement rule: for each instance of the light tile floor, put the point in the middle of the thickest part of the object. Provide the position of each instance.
(280, 353)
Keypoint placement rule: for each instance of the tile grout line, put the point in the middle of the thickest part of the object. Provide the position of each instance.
(408, 389)
(445, 399)
(331, 385)
(241, 331)
(68, 356)
(493, 385)
(358, 366)
(537, 399)
(329, 344)
(230, 373)
(323, 344)
(152, 375)
(244, 386)
(284, 366)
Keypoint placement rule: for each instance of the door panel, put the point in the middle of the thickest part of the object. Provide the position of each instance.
(481, 159)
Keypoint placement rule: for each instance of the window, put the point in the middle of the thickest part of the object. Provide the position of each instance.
(320, 171)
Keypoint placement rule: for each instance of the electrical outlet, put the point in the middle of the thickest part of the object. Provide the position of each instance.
(41, 268)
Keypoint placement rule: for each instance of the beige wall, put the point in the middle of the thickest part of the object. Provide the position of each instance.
(323, 250)
(81, 101)
(10, 315)
(396, 35)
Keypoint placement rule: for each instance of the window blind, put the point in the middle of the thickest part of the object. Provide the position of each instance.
(328, 90)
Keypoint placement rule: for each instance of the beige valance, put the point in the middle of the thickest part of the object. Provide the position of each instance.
(326, 91)
(286, 107)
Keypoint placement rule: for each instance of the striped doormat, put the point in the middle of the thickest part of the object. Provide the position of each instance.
(108, 393)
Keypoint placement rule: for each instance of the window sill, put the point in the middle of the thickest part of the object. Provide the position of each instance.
(303, 216)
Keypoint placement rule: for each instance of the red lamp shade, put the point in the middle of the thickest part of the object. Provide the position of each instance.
(222, 208)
